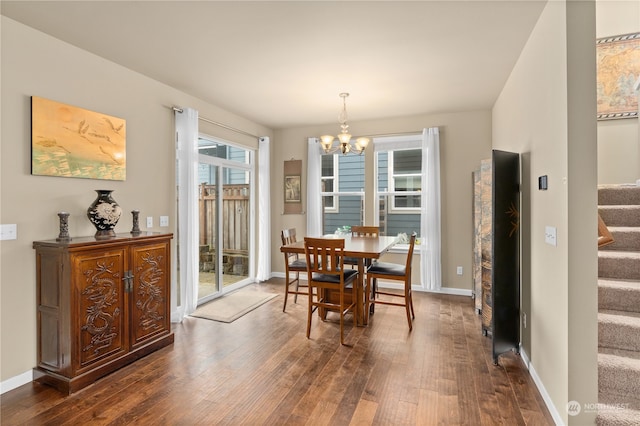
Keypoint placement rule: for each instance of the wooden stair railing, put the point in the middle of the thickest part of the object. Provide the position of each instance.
(604, 236)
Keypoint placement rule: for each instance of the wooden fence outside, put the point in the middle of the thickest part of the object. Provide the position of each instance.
(235, 225)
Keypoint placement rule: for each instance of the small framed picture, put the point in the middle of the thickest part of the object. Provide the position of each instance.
(292, 189)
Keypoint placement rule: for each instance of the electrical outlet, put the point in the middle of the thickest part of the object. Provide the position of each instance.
(164, 221)
(459, 270)
(149, 221)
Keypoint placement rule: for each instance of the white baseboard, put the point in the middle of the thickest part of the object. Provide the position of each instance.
(16, 381)
(447, 290)
(392, 285)
(543, 392)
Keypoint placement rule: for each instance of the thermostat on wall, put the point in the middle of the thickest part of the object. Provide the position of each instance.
(542, 183)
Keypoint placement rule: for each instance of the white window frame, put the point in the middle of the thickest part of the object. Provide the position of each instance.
(336, 207)
(392, 181)
(390, 144)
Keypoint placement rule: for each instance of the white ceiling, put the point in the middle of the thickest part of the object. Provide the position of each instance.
(283, 64)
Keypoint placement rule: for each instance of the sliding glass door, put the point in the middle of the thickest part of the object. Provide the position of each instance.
(225, 177)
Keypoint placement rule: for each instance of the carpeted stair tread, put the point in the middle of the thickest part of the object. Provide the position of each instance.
(619, 264)
(616, 409)
(619, 295)
(620, 353)
(625, 238)
(615, 215)
(620, 330)
(618, 194)
(619, 376)
(614, 416)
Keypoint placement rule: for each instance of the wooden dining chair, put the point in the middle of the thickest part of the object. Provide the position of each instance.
(293, 265)
(396, 272)
(326, 274)
(365, 231)
(361, 231)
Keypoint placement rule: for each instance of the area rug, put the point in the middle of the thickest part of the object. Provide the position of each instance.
(232, 306)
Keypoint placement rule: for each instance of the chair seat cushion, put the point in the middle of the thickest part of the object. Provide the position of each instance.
(349, 276)
(386, 268)
(351, 260)
(298, 265)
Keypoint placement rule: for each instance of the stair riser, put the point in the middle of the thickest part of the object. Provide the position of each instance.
(619, 268)
(620, 216)
(619, 336)
(619, 299)
(624, 240)
(626, 195)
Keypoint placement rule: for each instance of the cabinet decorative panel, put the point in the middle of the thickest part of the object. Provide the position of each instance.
(102, 304)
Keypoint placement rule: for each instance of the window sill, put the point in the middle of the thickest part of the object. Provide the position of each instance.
(404, 248)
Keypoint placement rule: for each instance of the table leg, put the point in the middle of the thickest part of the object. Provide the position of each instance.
(361, 317)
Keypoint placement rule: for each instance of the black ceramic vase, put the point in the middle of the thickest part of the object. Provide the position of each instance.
(104, 213)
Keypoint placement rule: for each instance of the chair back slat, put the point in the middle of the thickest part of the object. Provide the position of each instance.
(412, 244)
(288, 236)
(365, 231)
(324, 256)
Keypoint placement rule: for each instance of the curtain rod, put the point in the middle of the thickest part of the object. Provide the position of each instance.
(380, 135)
(224, 126)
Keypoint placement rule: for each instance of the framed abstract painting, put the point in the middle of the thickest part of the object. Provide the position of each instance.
(68, 141)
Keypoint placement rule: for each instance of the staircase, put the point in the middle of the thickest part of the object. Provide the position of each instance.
(619, 307)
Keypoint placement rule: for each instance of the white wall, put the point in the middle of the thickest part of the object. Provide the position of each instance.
(35, 64)
(618, 140)
(546, 111)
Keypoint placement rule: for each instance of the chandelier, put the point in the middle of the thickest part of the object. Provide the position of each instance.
(344, 138)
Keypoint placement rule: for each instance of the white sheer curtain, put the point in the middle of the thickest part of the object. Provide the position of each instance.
(314, 188)
(264, 210)
(430, 253)
(186, 122)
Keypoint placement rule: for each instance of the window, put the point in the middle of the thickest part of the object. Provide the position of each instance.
(329, 179)
(398, 163)
(342, 191)
(405, 176)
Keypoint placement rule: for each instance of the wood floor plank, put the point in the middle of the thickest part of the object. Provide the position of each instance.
(262, 370)
(364, 414)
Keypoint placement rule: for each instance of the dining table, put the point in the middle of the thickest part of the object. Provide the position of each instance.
(362, 248)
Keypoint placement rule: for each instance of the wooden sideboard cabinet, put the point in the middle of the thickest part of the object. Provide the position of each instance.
(102, 304)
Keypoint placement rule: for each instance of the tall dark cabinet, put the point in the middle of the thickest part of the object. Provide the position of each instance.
(497, 249)
(102, 304)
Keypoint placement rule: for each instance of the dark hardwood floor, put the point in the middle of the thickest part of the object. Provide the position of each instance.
(261, 369)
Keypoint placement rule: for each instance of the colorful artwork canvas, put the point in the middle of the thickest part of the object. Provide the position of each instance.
(69, 141)
(618, 70)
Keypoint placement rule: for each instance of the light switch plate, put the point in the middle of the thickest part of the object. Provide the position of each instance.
(149, 221)
(8, 232)
(550, 235)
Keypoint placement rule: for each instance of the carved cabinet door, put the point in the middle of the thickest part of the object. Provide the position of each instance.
(151, 285)
(101, 331)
